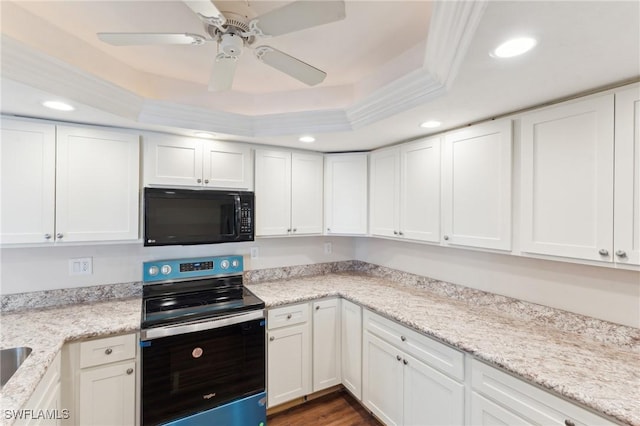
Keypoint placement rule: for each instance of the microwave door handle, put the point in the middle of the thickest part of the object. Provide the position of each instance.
(238, 216)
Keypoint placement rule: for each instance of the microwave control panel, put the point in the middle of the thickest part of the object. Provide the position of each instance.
(246, 221)
(178, 269)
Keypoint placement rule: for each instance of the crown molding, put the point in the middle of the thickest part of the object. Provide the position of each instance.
(451, 30)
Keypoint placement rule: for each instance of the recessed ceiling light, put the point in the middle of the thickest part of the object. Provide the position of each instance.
(514, 47)
(58, 105)
(204, 135)
(431, 124)
(307, 139)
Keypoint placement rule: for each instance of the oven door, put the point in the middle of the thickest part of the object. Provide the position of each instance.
(191, 368)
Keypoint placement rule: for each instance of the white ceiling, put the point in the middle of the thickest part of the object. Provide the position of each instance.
(383, 63)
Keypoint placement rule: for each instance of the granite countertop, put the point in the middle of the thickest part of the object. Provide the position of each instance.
(599, 369)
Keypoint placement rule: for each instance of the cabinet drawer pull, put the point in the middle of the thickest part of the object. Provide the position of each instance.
(603, 252)
(568, 422)
(404, 339)
(289, 316)
(199, 180)
(108, 351)
(446, 238)
(129, 370)
(398, 357)
(272, 338)
(47, 236)
(59, 235)
(317, 307)
(206, 181)
(621, 254)
(405, 362)
(395, 232)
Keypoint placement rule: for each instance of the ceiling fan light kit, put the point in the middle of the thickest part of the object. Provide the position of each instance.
(232, 34)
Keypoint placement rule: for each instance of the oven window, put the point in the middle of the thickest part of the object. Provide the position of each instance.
(188, 373)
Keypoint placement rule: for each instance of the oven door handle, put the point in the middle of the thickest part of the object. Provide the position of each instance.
(208, 324)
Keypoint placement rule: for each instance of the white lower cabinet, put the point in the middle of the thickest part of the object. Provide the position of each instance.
(326, 344)
(351, 347)
(288, 353)
(102, 381)
(404, 380)
(45, 402)
(499, 398)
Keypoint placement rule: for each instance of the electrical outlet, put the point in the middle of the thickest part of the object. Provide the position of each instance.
(328, 248)
(255, 252)
(81, 266)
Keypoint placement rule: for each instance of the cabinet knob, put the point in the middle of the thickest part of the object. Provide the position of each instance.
(271, 339)
(446, 238)
(405, 362)
(317, 307)
(328, 229)
(199, 180)
(398, 357)
(108, 351)
(568, 422)
(129, 370)
(403, 338)
(289, 316)
(400, 233)
(395, 232)
(288, 230)
(59, 235)
(295, 229)
(206, 181)
(621, 254)
(603, 252)
(47, 236)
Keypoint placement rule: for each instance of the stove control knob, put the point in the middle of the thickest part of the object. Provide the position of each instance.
(153, 271)
(224, 264)
(165, 269)
(235, 263)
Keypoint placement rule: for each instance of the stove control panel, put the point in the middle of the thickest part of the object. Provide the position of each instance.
(177, 269)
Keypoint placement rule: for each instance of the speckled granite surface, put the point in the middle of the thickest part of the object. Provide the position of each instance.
(589, 361)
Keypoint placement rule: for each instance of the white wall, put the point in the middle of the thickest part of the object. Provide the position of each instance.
(45, 268)
(605, 293)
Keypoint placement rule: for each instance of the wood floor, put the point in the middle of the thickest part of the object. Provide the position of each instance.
(336, 409)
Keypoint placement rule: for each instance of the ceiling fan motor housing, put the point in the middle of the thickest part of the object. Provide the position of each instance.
(231, 44)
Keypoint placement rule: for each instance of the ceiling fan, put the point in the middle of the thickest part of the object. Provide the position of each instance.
(233, 33)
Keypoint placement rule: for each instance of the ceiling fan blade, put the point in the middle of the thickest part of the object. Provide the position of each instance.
(135, 39)
(299, 15)
(207, 11)
(224, 68)
(289, 65)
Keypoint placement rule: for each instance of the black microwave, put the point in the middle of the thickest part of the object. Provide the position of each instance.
(187, 216)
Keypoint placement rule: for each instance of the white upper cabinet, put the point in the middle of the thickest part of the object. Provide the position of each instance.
(476, 186)
(182, 161)
(405, 191)
(27, 186)
(288, 193)
(97, 185)
(68, 184)
(567, 180)
(345, 196)
(627, 177)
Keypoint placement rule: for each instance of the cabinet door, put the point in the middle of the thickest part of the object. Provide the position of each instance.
(108, 395)
(487, 413)
(382, 381)
(627, 177)
(172, 161)
(97, 185)
(289, 364)
(567, 180)
(351, 324)
(306, 193)
(476, 192)
(420, 190)
(346, 194)
(226, 165)
(326, 344)
(430, 397)
(384, 192)
(27, 181)
(273, 192)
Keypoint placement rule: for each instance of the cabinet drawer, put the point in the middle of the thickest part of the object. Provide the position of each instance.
(107, 350)
(287, 315)
(527, 401)
(425, 349)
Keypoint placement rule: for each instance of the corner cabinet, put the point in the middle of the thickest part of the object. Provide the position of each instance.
(408, 378)
(345, 194)
(288, 193)
(47, 398)
(476, 191)
(567, 180)
(182, 161)
(404, 190)
(68, 184)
